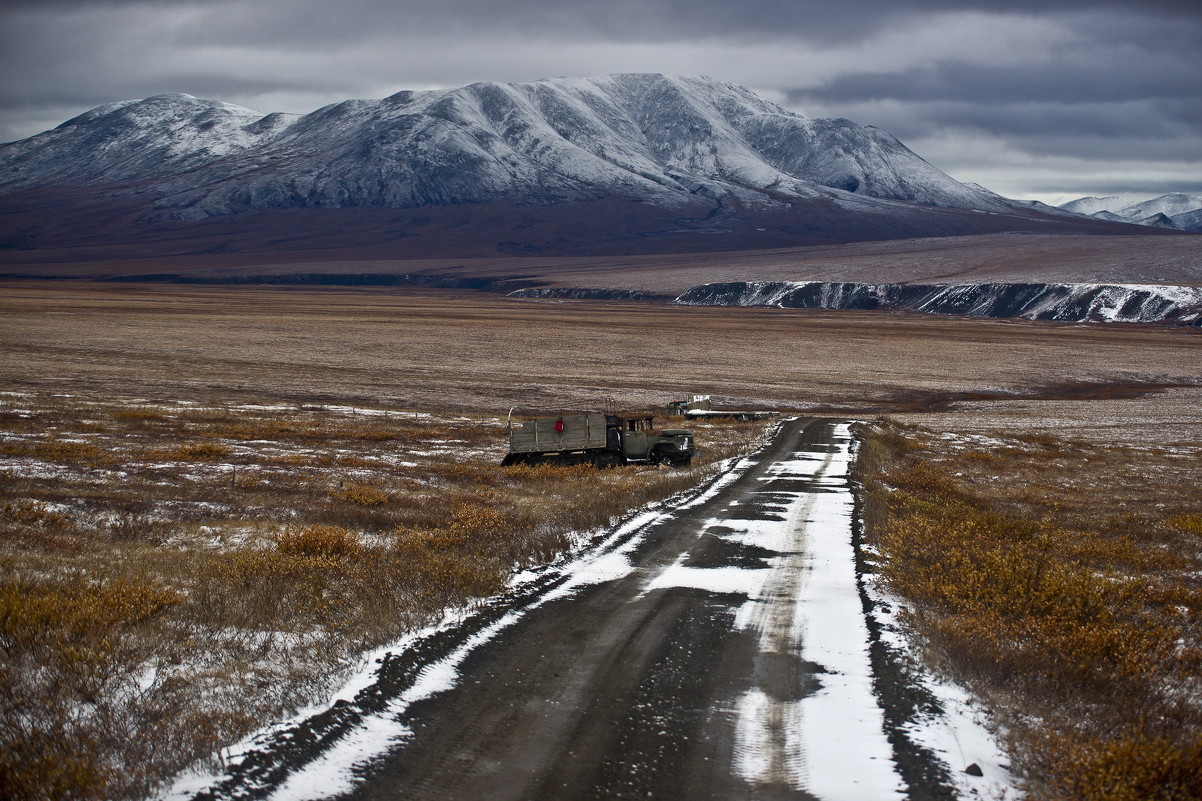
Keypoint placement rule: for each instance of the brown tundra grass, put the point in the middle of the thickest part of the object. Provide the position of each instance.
(1058, 579)
(173, 576)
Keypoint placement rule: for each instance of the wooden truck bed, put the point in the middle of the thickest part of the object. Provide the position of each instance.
(580, 432)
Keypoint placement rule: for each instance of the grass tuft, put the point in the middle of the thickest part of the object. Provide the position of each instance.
(199, 452)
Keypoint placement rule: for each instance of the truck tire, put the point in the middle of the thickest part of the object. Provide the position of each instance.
(668, 456)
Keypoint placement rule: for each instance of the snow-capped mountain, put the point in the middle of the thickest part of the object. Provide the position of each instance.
(1170, 205)
(135, 140)
(622, 163)
(1189, 221)
(1174, 210)
(654, 137)
(1093, 205)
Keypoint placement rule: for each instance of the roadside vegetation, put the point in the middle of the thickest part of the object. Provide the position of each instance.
(173, 575)
(1059, 579)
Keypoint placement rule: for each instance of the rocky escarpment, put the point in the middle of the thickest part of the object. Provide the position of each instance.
(1128, 303)
(587, 294)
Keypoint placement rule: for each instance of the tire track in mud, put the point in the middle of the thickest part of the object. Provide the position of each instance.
(675, 665)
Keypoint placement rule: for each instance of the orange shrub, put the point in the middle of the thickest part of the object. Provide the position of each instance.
(324, 542)
(360, 494)
(200, 452)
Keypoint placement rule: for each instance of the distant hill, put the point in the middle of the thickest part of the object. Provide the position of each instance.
(1174, 210)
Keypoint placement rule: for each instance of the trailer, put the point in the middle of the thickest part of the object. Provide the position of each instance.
(604, 440)
(696, 407)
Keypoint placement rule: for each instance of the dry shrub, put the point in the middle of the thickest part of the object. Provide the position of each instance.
(200, 452)
(461, 473)
(289, 460)
(321, 578)
(265, 429)
(1186, 524)
(274, 590)
(37, 619)
(58, 450)
(340, 509)
(557, 475)
(139, 528)
(361, 494)
(67, 650)
(148, 415)
(479, 530)
(431, 566)
(323, 542)
(1134, 766)
(377, 436)
(32, 513)
(1066, 617)
(1041, 439)
(472, 521)
(994, 588)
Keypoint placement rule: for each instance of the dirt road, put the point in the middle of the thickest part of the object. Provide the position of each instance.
(718, 651)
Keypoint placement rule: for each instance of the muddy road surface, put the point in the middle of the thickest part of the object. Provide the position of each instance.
(716, 650)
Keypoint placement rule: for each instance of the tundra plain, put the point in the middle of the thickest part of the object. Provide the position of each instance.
(346, 401)
(485, 353)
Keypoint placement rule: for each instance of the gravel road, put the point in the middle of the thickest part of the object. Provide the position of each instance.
(717, 651)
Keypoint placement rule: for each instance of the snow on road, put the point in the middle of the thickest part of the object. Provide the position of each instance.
(831, 742)
(808, 718)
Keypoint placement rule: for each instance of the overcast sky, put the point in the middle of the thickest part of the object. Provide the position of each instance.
(1046, 99)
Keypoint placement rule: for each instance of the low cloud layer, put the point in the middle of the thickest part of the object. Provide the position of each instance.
(1041, 99)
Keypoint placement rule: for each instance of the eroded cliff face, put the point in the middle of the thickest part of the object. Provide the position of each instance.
(1128, 303)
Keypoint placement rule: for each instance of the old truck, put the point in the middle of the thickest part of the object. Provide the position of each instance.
(604, 440)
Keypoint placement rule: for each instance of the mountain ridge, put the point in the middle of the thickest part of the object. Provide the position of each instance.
(667, 157)
(648, 135)
(1178, 210)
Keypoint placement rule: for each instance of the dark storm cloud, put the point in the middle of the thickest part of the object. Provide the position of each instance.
(614, 20)
(1028, 77)
(1160, 128)
(1108, 187)
(1154, 77)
